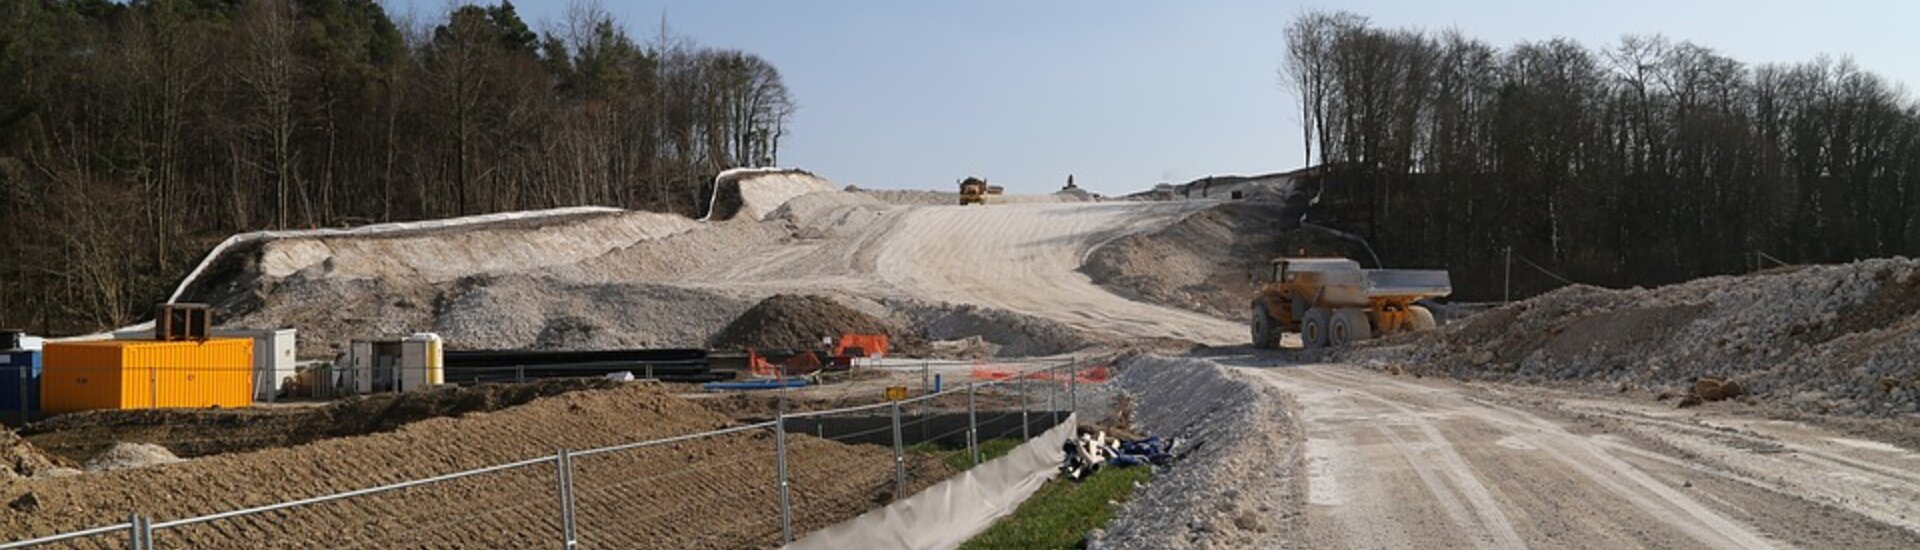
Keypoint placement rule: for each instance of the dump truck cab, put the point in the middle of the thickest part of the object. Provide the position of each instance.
(1333, 302)
(973, 191)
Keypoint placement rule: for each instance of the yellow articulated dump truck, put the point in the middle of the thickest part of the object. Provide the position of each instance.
(976, 191)
(1332, 302)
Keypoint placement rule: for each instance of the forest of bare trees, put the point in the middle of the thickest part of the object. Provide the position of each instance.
(1642, 162)
(135, 135)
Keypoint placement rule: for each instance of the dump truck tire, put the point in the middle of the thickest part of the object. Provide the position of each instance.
(1313, 328)
(1349, 326)
(1264, 337)
(1420, 318)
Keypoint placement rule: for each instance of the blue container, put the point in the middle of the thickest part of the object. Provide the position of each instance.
(19, 384)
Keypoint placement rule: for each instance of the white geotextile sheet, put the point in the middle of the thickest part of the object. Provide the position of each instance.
(946, 515)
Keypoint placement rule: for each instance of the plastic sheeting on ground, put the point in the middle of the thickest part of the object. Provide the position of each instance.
(946, 515)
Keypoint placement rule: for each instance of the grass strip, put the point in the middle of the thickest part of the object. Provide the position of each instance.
(1061, 512)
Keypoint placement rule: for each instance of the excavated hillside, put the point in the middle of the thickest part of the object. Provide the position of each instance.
(1827, 338)
(1004, 277)
(1208, 261)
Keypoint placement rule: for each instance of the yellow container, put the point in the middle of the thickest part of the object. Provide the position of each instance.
(145, 374)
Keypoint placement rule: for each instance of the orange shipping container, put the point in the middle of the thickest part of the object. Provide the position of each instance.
(144, 374)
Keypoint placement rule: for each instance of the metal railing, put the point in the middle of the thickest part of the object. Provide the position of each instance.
(597, 498)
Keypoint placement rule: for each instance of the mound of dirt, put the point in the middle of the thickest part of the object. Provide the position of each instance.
(83, 437)
(20, 459)
(705, 493)
(1819, 338)
(1004, 333)
(1208, 261)
(788, 321)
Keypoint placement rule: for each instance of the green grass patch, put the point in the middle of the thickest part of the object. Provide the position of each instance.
(958, 459)
(1061, 512)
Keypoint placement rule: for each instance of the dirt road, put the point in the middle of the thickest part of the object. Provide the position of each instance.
(1395, 462)
(1021, 257)
(1026, 258)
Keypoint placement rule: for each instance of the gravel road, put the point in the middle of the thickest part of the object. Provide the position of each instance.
(1398, 462)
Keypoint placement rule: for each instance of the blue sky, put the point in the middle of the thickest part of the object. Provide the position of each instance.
(1125, 94)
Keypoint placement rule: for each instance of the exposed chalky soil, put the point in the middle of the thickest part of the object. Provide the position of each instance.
(1404, 462)
(1825, 339)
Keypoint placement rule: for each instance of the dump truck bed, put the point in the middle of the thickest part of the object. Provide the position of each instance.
(1422, 283)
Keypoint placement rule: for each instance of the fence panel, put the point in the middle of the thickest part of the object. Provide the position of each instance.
(710, 491)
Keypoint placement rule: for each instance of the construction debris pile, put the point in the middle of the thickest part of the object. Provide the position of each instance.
(1828, 338)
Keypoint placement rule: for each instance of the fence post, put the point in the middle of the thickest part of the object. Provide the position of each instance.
(1053, 393)
(563, 464)
(1024, 405)
(133, 532)
(973, 428)
(1073, 384)
(899, 457)
(780, 466)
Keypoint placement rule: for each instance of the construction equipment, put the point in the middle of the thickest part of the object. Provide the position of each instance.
(975, 191)
(1333, 302)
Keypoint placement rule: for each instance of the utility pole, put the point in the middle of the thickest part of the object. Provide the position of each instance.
(1506, 292)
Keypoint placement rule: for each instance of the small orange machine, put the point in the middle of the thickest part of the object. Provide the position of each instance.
(861, 345)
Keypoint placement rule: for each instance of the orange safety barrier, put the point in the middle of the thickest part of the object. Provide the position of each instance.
(862, 345)
(804, 363)
(990, 371)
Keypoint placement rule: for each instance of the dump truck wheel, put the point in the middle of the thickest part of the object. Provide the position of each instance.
(1313, 328)
(1263, 334)
(1349, 326)
(1420, 318)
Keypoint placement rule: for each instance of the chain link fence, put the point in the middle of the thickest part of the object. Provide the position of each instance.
(818, 468)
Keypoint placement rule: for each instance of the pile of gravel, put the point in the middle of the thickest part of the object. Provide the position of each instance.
(1830, 339)
(1239, 488)
(127, 456)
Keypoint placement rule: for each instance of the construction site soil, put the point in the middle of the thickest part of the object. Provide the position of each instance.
(80, 437)
(787, 321)
(657, 497)
(1209, 261)
(1826, 339)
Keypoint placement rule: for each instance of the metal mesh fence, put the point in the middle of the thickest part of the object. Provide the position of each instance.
(755, 485)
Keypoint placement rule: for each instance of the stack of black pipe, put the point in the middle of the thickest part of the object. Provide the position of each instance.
(671, 365)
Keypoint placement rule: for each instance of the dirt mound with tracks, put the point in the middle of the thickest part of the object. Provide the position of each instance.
(1827, 338)
(81, 437)
(657, 497)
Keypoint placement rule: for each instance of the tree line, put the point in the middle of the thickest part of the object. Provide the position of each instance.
(1643, 162)
(134, 136)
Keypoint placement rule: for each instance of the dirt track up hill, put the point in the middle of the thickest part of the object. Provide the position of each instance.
(658, 497)
(1826, 338)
